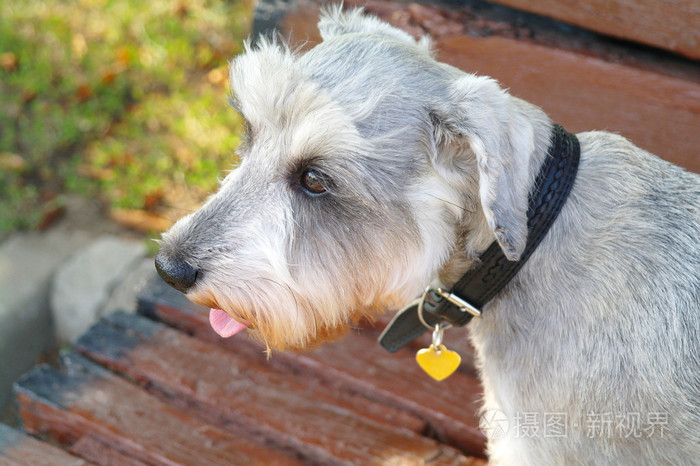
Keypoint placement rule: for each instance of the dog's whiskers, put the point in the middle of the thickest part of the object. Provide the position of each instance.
(463, 209)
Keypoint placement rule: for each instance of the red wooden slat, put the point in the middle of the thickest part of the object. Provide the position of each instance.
(667, 25)
(248, 396)
(86, 400)
(658, 113)
(100, 452)
(19, 449)
(358, 363)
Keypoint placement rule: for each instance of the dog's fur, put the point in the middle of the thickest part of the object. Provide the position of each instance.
(425, 166)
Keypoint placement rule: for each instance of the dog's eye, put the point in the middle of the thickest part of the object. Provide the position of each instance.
(311, 182)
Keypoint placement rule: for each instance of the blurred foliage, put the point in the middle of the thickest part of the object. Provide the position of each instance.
(121, 100)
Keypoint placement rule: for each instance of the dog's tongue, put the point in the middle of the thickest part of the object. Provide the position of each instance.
(223, 324)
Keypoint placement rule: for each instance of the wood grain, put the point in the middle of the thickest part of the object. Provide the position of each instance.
(19, 449)
(229, 389)
(84, 400)
(657, 113)
(668, 25)
(359, 364)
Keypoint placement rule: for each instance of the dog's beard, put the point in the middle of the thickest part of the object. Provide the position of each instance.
(292, 322)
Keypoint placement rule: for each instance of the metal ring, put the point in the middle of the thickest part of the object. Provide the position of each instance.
(443, 326)
(438, 333)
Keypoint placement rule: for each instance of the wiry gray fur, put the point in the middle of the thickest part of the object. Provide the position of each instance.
(425, 167)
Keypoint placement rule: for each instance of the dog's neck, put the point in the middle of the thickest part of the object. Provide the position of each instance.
(493, 272)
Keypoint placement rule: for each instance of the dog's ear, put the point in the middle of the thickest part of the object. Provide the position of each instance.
(335, 22)
(481, 117)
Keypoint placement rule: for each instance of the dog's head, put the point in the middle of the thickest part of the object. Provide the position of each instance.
(367, 165)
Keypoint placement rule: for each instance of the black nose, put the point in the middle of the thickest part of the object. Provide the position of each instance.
(176, 272)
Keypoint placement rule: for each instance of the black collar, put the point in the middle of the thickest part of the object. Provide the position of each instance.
(480, 284)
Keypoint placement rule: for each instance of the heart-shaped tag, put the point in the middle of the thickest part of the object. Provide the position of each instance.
(438, 364)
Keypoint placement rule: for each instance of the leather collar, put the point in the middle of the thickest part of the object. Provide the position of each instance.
(480, 284)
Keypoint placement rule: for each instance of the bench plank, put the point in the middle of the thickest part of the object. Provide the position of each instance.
(19, 449)
(246, 395)
(356, 362)
(100, 452)
(667, 25)
(658, 113)
(85, 400)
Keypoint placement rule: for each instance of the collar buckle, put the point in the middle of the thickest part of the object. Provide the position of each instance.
(462, 304)
(433, 298)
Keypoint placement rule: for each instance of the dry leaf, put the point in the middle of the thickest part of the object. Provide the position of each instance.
(140, 220)
(9, 62)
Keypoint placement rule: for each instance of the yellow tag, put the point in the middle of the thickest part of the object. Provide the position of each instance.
(438, 364)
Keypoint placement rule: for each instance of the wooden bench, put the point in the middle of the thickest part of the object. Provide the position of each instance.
(170, 391)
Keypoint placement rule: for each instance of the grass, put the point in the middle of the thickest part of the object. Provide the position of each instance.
(120, 100)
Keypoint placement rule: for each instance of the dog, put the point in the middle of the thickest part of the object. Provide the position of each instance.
(369, 170)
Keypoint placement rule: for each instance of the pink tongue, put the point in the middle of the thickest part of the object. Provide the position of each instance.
(224, 324)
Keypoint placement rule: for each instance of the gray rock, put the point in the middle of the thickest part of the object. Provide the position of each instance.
(27, 262)
(125, 295)
(83, 284)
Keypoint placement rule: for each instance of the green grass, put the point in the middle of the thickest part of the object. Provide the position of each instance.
(120, 100)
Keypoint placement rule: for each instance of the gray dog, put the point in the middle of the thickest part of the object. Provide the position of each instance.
(371, 171)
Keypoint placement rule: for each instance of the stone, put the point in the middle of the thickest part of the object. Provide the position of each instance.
(124, 297)
(27, 262)
(82, 286)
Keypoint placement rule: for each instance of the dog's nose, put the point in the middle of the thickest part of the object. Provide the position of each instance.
(176, 272)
